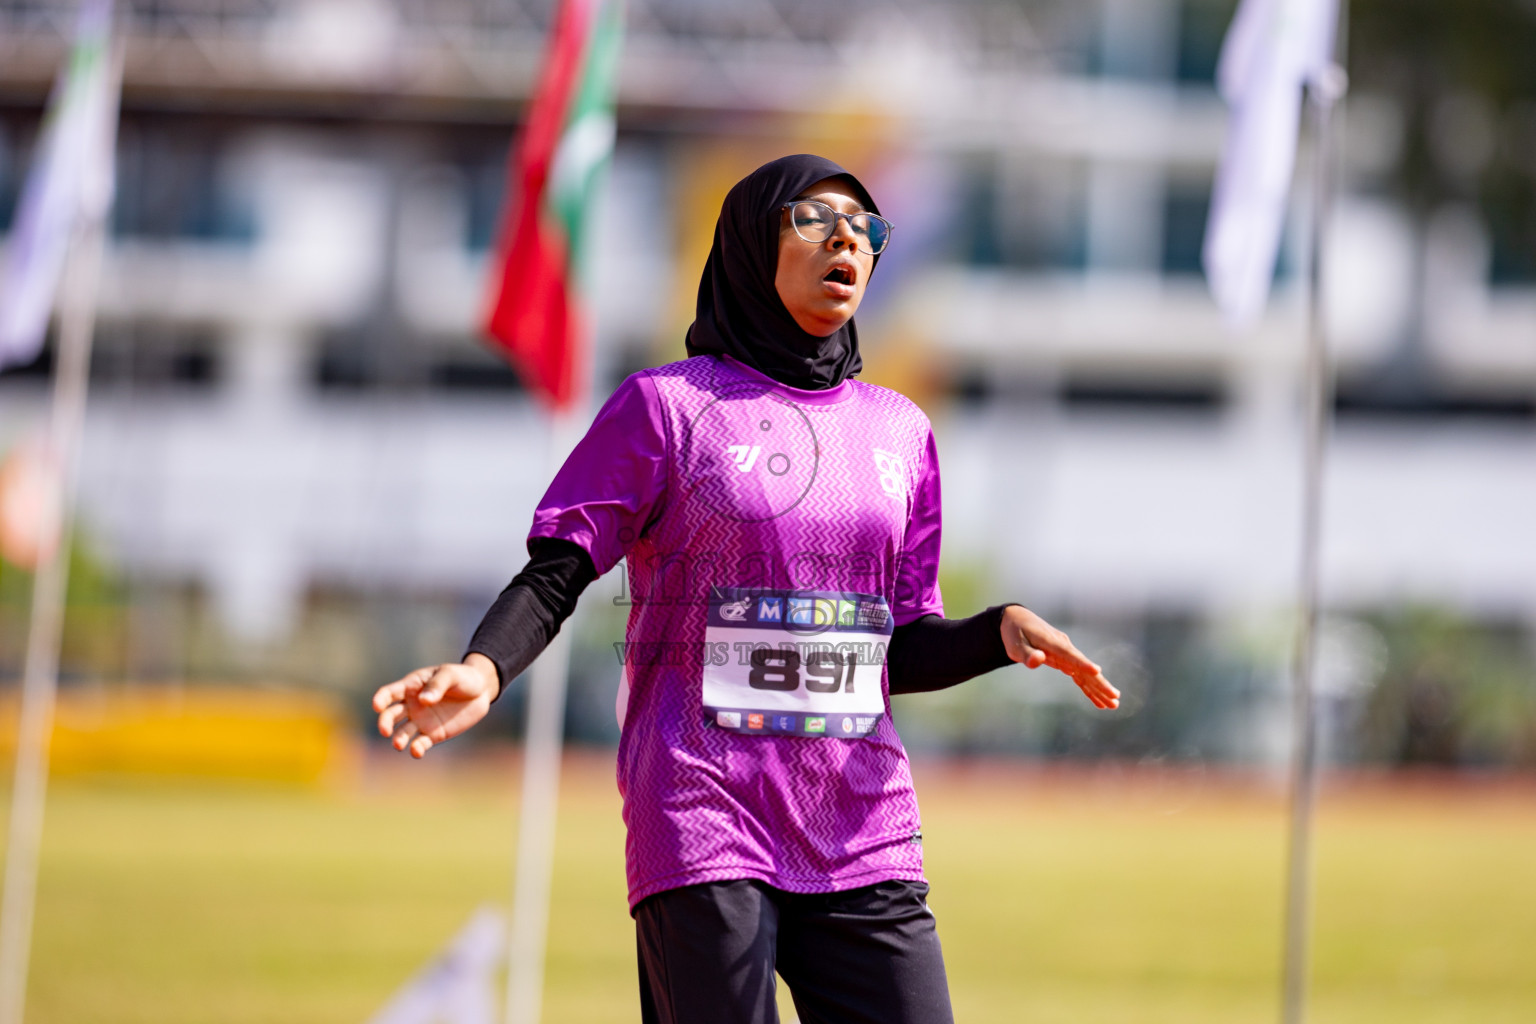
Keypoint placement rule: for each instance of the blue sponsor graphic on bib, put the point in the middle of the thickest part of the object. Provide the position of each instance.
(803, 663)
(824, 611)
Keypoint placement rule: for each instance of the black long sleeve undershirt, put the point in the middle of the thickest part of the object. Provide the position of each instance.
(529, 612)
(930, 653)
(934, 653)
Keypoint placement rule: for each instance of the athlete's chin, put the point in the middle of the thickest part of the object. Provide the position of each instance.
(824, 319)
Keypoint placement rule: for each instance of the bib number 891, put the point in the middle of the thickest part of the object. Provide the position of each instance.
(779, 669)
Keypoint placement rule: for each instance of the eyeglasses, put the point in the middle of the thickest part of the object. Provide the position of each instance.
(815, 222)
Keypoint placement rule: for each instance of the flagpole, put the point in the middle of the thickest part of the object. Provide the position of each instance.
(542, 742)
(40, 678)
(565, 143)
(1322, 94)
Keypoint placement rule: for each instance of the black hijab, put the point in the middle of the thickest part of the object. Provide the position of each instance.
(740, 313)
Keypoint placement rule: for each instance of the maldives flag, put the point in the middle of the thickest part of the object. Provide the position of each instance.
(537, 311)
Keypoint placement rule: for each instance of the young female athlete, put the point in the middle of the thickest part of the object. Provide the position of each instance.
(780, 521)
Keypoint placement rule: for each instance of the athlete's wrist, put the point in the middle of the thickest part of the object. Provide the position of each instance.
(487, 670)
(1006, 611)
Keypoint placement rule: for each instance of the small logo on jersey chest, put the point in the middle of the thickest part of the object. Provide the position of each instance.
(749, 455)
(745, 455)
(893, 473)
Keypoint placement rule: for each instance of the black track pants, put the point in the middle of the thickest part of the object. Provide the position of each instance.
(708, 954)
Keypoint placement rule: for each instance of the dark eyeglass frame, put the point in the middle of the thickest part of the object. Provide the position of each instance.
(889, 227)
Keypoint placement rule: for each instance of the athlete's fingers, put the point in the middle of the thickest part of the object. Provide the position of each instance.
(436, 685)
(404, 735)
(1071, 658)
(1073, 664)
(1104, 694)
(432, 722)
(396, 691)
(420, 745)
(1058, 651)
(1099, 690)
(391, 693)
(389, 718)
(1091, 680)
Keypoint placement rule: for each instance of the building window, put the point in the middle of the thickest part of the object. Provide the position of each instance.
(1509, 210)
(486, 179)
(170, 185)
(1202, 27)
(1031, 216)
(1184, 213)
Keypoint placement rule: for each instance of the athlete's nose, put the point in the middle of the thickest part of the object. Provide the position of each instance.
(842, 236)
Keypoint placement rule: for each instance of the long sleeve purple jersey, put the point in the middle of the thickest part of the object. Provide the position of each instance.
(774, 537)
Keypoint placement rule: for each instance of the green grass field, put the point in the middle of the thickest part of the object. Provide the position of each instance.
(1112, 896)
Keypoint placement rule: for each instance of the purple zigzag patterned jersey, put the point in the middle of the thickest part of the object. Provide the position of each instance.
(774, 537)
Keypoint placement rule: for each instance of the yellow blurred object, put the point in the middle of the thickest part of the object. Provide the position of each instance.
(221, 732)
(901, 361)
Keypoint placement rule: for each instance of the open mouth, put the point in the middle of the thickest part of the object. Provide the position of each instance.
(841, 274)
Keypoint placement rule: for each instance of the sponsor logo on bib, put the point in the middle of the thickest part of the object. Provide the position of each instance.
(795, 662)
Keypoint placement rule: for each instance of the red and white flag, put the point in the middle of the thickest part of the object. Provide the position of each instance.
(538, 310)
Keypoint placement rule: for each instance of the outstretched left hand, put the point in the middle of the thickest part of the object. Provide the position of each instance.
(436, 703)
(1033, 642)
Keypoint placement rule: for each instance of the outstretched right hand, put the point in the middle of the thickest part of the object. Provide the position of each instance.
(435, 703)
(1032, 641)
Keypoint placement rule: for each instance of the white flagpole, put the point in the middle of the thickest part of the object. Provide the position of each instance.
(542, 743)
(1322, 94)
(1274, 48)
(91, 202)
(41, 676)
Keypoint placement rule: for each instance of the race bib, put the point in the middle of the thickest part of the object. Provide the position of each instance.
(795, 662)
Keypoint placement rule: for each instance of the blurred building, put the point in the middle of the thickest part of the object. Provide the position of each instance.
(290, 395)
